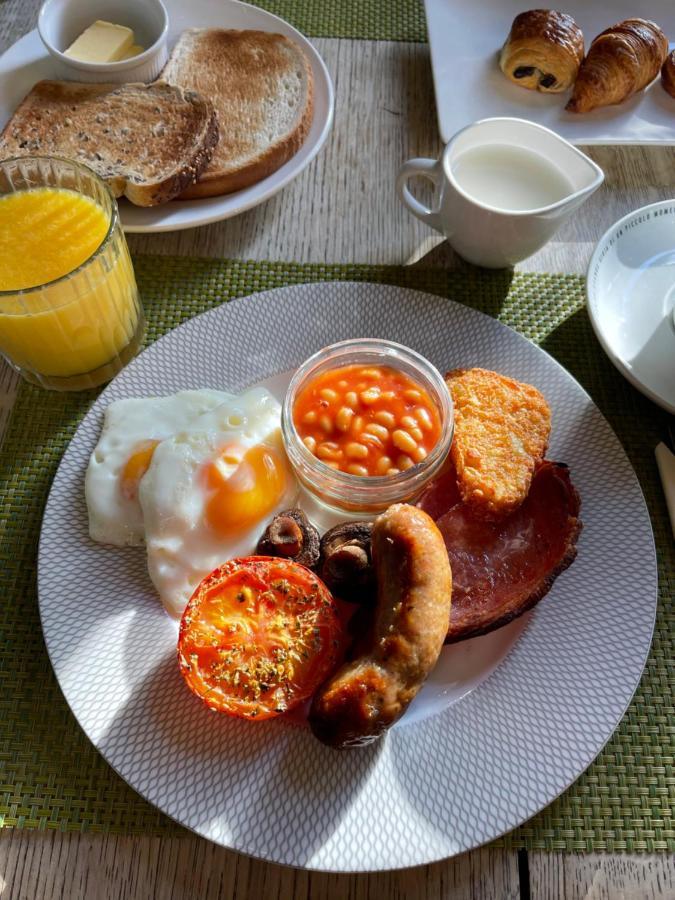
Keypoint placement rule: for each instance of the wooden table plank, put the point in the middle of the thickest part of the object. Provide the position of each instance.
(108, 867)
(602, 876)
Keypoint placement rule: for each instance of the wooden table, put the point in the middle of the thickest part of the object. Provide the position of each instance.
(343, 208)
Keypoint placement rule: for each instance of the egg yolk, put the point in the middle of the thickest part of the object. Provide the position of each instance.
(240, 498)
(136, 467)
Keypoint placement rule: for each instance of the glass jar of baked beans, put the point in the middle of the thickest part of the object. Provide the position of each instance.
(366, 423)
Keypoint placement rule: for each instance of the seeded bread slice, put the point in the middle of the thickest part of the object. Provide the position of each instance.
(262, 88)
(149, 142)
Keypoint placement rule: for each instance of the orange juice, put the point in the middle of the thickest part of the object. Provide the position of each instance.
(70, 303)
(45, 234)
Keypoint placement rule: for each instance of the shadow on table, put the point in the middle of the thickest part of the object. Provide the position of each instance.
(438, 269)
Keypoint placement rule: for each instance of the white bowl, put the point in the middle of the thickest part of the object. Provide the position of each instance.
(631, 299)
(60, 22)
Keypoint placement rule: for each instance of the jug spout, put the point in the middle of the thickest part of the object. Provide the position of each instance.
(584, 175)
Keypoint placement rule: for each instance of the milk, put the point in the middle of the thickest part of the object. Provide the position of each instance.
(508, 177)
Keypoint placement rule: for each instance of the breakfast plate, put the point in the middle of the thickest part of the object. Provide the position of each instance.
(27, 62)
(505, 723)
(631, 299)
(469, 84)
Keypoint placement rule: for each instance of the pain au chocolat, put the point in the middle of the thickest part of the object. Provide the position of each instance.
(543, 51)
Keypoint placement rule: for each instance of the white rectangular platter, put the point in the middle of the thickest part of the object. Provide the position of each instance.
(465, 38)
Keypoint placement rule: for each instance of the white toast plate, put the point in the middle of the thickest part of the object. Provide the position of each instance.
(506, 722)
(465, 40)
(27, 61)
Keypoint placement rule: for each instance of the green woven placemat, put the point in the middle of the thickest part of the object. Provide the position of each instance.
(375, 20)
(52, 777)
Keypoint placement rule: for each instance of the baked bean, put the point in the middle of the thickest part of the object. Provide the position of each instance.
(383, 465)
(419, 454)
(343, 384)
(412, 427)
(356, 469)
(404, 462)
(329, 450)
(384, 417)
(393, 471)
(371, 373)
(351, 398)
(355, 450)
(310, 417)
(403, 441)
(344, 417)
(326, 423)
(379, 431)
(329, 394)
(423, 417)
(357, 424)
(412, 394)
(370, 396)
(310, 443)
(371, 439)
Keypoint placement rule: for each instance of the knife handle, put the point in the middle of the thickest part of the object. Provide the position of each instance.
(665, 460)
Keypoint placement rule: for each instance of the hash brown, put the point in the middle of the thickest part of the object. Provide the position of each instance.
(501, 434)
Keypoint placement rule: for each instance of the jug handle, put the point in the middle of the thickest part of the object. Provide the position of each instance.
(426, 168)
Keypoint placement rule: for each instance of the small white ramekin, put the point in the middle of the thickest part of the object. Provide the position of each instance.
(60, 22)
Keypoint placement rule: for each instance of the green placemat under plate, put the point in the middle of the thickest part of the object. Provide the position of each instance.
(51, 777)
(375, 20)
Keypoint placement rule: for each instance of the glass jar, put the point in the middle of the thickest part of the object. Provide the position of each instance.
(366, 495)
(78, 330)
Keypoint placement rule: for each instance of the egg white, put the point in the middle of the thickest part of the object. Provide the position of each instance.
(182, 548)
(114, 518)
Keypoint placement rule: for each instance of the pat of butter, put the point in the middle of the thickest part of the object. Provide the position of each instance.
(133, 51)
(102, 42)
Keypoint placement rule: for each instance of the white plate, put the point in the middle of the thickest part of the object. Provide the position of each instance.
(508, 720)
(631, 299)
(27, 61)
(465, 39)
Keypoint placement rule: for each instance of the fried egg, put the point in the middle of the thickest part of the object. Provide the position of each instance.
(211, 490)
(132, 429)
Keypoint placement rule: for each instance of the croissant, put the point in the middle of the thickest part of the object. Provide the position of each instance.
(668, 74)
(622, 60)
(543, 51)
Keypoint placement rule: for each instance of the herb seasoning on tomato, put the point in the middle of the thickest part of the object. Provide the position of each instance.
(258, 637)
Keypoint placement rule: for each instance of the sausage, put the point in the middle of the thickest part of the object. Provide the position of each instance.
(414, 586)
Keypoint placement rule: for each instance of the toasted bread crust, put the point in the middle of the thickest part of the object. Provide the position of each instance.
(172, 187)
(211, 184)
(501, 434)
(261, 85)
(148, 142)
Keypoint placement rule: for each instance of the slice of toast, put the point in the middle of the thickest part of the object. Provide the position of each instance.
(261, 85)
(149, 142)
(501, 434)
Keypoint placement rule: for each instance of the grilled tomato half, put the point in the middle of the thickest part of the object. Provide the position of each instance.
(258, 637)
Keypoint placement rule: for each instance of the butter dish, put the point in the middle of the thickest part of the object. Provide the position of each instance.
(62, 22)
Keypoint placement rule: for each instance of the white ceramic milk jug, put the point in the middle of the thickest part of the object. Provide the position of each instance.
(502, 188)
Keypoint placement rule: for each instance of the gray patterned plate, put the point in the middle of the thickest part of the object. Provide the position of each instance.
(507, 722)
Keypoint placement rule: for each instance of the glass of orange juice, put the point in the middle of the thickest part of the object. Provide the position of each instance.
(70, 313)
